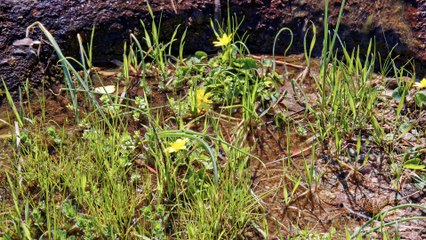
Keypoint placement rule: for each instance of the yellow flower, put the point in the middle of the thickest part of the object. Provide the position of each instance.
(203, 100)
(223, 41)
(421, 84)
(180, 144)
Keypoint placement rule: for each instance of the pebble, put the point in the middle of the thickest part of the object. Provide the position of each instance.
(351, 152)
(361, 158)
(409, 137)
(327, 195)
(391, 83)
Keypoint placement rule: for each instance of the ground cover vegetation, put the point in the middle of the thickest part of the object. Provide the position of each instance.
(224, 146)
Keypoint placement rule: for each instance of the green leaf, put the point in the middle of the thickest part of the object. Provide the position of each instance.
(12, 104)
(420, 98)
(398, 93)
(246, 63)
(267, 62)
(415, 164)
(377, 128)
(405, 127)
(200, 55)
(193, 61)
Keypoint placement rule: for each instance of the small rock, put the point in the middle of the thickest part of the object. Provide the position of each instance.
(105, 89)
(327, 195)
(4, 61)
(391, 83)
(249, 235)
(19, 51)
(409, 137)
(23, 42)
(351, 152)
(361, 158)
(366, 170)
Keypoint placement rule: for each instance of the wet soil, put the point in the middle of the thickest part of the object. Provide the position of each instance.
(348, 192)
(399, 23)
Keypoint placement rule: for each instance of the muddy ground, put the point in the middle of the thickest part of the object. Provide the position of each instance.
(392, 23)
(349, 192)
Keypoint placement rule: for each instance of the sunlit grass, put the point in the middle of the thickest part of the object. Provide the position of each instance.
(130, 169)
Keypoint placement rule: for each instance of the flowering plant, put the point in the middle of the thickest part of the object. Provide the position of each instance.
(178, 145)
(421, 84)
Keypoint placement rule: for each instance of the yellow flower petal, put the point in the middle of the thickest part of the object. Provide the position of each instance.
(206, 98)
(421, 84)
(223, 41)
(217, 44)
(180, 144)
(200, 94)
(203, 100)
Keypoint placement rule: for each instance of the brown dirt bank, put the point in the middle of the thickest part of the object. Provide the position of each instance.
(390, 22)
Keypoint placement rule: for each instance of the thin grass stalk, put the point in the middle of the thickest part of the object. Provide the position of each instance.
(68, 69)
(308, 53)
(275, 42)
(12, 105)
(383, 213)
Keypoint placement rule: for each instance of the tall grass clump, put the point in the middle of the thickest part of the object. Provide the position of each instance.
(87, 186)
(346, 93)
(73, 79)
(223, 212)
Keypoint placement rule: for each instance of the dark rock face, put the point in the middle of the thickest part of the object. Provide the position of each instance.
(390, 22)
